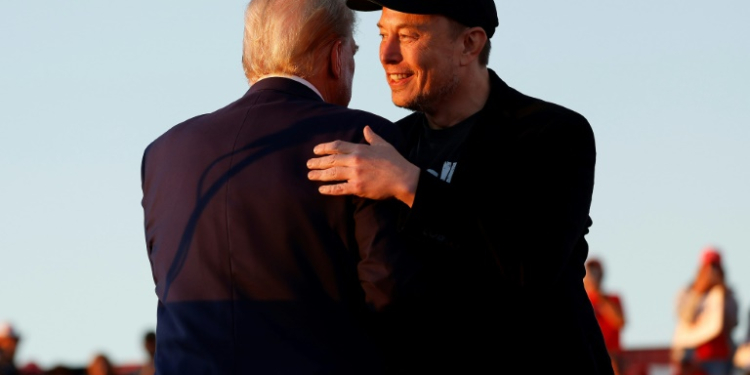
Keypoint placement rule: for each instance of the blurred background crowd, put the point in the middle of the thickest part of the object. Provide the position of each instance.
(100, 363)
(706, 315)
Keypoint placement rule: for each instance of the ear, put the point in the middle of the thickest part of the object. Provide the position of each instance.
(474, 40)
(335, 59)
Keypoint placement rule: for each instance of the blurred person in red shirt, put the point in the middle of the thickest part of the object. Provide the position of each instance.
(608, 311)
(706, 315)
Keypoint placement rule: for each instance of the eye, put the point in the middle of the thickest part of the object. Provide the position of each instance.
(408, 37)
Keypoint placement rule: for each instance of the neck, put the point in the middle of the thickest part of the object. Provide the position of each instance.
(329, 88)
(468, 99)
(320, 84)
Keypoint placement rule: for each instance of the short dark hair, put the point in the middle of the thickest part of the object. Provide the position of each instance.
(594, 263)
(595, 270)
(484, 56)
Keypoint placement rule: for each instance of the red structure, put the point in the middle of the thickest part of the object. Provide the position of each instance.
(636, 362)
(641, 361)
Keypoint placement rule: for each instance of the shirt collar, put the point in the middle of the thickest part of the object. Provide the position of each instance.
(294, 78)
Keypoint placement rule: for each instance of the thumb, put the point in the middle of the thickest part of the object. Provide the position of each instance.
(371, 137)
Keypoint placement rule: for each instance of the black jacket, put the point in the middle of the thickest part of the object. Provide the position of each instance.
(502, 287)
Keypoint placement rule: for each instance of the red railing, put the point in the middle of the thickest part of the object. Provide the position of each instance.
(640, 361)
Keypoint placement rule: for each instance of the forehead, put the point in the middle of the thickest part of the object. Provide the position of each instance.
(390, 18)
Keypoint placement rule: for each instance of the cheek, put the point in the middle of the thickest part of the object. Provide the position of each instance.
(427, 65)
(428, 76)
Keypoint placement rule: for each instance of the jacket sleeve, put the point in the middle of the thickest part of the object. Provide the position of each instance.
(379, 250)
(376, 231)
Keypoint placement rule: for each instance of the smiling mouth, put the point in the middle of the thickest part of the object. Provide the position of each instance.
(398, 77)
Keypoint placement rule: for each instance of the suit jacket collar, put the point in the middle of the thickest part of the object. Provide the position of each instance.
(285, 85)
(494, 118)
(498, 106)
(499, 92)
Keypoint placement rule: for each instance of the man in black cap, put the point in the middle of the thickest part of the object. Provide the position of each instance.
(496, 187)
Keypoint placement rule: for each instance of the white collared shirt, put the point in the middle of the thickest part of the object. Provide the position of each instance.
(294, 78)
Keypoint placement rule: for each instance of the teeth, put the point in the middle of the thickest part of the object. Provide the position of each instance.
(398, 77)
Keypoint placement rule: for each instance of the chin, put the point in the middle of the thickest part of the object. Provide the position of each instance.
(400, 101)
(413, 104)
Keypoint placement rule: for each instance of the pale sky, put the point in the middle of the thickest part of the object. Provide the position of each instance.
(85, 85)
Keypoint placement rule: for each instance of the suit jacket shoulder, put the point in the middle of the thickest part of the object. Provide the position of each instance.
(529, 116)
(254, 269)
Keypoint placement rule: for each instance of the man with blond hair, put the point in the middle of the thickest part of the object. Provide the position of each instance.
(255, 272)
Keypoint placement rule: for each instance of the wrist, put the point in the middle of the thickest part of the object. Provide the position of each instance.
(409, 188)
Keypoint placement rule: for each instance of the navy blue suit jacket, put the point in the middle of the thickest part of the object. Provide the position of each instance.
(255, 270)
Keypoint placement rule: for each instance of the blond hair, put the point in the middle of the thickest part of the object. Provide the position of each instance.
(287, 36)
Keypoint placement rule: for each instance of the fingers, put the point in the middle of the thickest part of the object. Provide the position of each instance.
(371, 137)
(326, 175)
(337, 174)
(334, 189)
(369, 134)
(322, 162)
(335, 147)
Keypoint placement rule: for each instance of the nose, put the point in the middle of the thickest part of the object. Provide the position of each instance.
(390, 50)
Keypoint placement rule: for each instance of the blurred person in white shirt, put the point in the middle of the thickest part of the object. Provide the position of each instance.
(706, 315)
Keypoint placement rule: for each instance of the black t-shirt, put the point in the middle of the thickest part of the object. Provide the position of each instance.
(437, 150)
